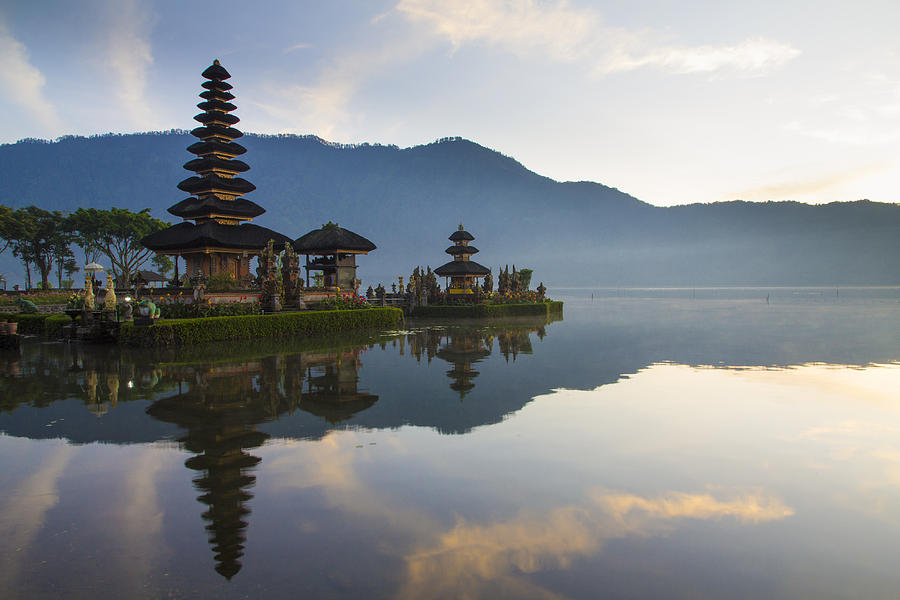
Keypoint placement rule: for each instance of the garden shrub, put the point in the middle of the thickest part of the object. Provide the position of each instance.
(181, 332)
(181, 310)
(489, 310)
(44, 324)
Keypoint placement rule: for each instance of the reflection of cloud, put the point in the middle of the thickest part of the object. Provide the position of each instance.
(470, 557)
(129, 55)
(23, 515)
(563, 32)
(140, 518)
(23, 82)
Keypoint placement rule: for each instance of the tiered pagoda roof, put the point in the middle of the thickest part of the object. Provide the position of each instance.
(461, 265)
(216, 204)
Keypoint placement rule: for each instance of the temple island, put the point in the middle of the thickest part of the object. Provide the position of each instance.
(213, 248)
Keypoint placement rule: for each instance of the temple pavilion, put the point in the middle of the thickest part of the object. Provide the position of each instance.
(220, 240)
(462, 273)
(335, 250)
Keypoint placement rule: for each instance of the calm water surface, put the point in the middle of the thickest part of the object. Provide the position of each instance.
(677, 443)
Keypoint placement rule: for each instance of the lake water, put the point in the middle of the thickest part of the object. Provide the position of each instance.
(740, 443)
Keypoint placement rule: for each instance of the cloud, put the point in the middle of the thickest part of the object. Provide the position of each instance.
(324, 107)
(552, 28)
(23, 82)
(565, 33)
(128, 55)
(753, 56)
(794, 189)
(300, 46)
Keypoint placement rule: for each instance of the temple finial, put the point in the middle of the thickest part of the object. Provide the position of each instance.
(216, 62)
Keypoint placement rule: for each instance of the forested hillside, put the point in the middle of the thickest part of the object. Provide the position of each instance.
(409, 200)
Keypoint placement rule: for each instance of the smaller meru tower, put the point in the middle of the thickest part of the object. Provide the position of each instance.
(462, 272)
(220, 241)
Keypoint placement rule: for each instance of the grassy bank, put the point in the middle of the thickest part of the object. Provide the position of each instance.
(182, 332)
(490, 310)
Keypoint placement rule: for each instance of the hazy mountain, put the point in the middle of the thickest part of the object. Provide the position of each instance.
(407, 201)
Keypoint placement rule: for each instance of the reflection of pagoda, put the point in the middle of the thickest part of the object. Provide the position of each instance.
(463, 349)
(216, 242)
(221, 411)
(333, 386)
(462, 272)
(220, 421)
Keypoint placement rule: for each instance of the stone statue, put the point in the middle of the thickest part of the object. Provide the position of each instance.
(146, 308)
(370, 293)
(488, 285)
(503, 281)
(88, 293)
(25, 306)
(290, 276)
(198, 282)
(541, 290)
(431, 287)
(270, 297)
(109, 301)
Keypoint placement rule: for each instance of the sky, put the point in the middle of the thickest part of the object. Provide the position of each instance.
(671, 101)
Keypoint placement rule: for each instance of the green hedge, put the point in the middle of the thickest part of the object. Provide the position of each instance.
(180, 332)
(46, 324)
(489, 310)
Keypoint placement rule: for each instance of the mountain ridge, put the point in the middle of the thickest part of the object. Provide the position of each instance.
(408, 200)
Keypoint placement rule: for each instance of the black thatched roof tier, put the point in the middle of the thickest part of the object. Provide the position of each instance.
(219, 86)
(458, 236)
(216, 72)
(220, 95)
(212, 183)
(187, 236)
(208, 163)
(211, 131)
(215, 117)
(239, 208)
(332, 239)
(149, 276)
(216, 147)
(458, 250)
(460, 268)
(216, 104)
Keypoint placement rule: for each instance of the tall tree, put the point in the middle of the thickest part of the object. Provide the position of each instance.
(117, 233)
(6, 221)
(38, 238)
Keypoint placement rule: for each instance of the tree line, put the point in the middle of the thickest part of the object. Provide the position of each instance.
(43, 241)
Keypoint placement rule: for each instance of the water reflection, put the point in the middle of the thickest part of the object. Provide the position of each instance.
(522, 458)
